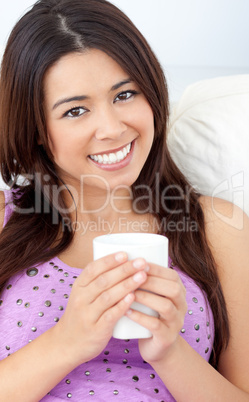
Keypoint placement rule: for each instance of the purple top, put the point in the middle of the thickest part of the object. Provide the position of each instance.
(34, 300)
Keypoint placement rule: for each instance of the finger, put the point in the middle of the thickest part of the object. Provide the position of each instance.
(175, 291)
(96, 268)
(111, 297)
(162, 272)
(153, 324)
(112, 277)
(164, 306)
(110, 317)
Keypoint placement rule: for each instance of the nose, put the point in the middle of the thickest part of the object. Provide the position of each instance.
(109, 124)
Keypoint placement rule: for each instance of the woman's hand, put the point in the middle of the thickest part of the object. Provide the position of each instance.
(100, 296)
(169, 300)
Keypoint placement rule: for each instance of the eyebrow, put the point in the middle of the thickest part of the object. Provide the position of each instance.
(84, 97)
(68, 100)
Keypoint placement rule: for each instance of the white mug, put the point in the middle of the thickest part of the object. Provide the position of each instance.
(153, 248)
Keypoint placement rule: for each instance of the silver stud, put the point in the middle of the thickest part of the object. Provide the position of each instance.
(7, 347)
(69, 395)
(60, 270)
(209, 336)
(106, 352)
(197, 327)
(68, 381)
(152, 375)
(87, 373)
(207, 323)
(206, 350)
(26, 305)
(19, 302)
(19, 324)
(61, 281)
(66, 274)
(91, 392)
(51, 263)
(125, 361)
(47, 303)
(66, 296)
(9, 287)
(1, 302)
(105, 360)
(56, 319)
(34, 329)
(129, 367)
(115, 392)
(195, 300)
(71, 285)
(108, 370)
(183, 330)
(137, 389)
(126, 351)
(202, 309)
(53, 291)
(190, 312)
(41, 314)
(197, 340)
(156, 390)
(32, 272)
(46, 276)
(61, 308)
(56, 267)
(35, 287)
(135, 378)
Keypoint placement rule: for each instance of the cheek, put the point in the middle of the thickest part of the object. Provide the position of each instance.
(143, 119)
(147, 121)
(59, 140)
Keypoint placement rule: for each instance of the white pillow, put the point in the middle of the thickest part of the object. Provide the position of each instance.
(208, 137)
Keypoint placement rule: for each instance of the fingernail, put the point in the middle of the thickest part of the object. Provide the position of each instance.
(147, 268)
(138, 263)
(128, 298)
(121, 256)
(138, 277)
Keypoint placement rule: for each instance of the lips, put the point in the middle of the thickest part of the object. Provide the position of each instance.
(121, 160)
(112, 157)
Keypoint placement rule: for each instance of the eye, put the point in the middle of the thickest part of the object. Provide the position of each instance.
(125, 95)
(75, 112)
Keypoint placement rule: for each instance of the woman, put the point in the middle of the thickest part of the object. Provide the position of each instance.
(83, 111)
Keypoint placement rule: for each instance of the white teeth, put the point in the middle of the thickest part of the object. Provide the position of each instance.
(112, 157)
(120, 155)
(105, 159)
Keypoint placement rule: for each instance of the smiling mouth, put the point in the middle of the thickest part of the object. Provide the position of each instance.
(112, 157)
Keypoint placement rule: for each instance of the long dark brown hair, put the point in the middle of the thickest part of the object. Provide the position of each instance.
(50, 30)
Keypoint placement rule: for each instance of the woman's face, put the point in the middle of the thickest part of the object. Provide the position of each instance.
(100, 126)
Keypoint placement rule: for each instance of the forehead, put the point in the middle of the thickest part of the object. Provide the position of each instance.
(86, 71)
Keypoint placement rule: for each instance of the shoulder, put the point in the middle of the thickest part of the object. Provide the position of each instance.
(2, 209)
(221, 215)
(227, 231)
